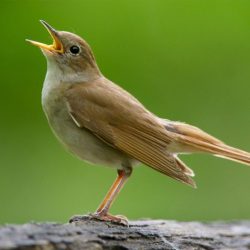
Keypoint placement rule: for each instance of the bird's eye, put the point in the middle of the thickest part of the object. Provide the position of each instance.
(74, 50)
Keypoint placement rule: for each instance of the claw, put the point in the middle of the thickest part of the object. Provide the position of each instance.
(118, 219)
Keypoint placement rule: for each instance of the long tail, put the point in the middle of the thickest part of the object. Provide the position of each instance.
(192, 139)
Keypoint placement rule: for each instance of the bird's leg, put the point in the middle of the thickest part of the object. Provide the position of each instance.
(102, 211)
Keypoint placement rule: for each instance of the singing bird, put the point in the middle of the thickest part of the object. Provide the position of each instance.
(101, 123)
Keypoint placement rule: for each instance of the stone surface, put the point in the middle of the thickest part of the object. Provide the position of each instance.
(147, 234)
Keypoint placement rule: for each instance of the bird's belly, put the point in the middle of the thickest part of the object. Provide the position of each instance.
(83, 143)
(78, 141)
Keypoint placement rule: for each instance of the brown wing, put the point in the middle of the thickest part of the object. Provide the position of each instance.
(121, 121)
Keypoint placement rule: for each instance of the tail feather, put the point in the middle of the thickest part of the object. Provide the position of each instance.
(221, 150)
(196, 140)
(186, 170)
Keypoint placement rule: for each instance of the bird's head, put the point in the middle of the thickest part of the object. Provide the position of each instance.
(69, 53)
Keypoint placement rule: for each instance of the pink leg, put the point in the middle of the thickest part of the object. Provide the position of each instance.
(102, 211)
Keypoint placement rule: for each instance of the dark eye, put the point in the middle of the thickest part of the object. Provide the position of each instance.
(74, 49)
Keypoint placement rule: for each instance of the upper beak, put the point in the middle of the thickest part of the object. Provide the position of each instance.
(56, 46)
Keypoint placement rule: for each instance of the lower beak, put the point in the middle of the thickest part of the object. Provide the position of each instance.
(56, 46)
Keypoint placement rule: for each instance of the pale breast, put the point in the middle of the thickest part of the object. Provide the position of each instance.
(77, 140)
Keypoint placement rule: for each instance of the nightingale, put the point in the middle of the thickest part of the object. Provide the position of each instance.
(101, 123)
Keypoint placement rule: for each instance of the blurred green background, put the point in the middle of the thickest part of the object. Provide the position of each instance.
(185, 60)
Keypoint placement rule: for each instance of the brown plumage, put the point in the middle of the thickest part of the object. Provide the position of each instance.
(102, 123)
(105, 110)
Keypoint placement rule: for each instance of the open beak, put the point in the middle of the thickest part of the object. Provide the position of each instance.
(56, 46)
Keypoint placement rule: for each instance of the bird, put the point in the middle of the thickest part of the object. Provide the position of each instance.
(101, 123)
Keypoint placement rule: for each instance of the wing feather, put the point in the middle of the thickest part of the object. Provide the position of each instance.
(105, 110)
(149, 155)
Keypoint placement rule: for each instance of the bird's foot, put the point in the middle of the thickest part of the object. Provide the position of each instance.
(118, 219)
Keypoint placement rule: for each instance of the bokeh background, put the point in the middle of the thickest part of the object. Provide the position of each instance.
(186, 60)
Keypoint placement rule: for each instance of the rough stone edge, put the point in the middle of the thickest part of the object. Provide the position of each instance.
(143, 234)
